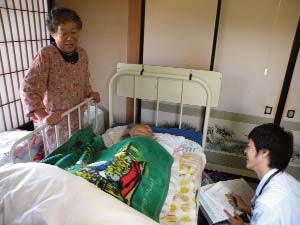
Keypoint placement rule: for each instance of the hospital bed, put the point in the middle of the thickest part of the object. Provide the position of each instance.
(186, 147)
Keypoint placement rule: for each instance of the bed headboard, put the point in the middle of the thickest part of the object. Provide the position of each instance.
(167, 84)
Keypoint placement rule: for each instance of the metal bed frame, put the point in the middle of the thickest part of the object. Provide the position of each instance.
(167, 84)
(160, 84)
(42, 127)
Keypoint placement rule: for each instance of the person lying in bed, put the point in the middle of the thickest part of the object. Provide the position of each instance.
(124, 169)
(128, 170)
(116, 134)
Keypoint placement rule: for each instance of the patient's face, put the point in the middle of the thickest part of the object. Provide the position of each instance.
(141, 130)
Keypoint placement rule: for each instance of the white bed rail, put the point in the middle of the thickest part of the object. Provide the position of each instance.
(42, 127)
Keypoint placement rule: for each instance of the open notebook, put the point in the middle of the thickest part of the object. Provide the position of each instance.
(213, 200)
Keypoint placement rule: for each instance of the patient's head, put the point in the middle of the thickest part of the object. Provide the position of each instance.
(141, 130)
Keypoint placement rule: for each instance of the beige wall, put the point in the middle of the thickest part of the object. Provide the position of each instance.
(253, 36)
(253, 54)
(179, 33)
(104, 36)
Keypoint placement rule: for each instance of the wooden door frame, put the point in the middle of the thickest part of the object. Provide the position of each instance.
(288, 76)
(135, 46)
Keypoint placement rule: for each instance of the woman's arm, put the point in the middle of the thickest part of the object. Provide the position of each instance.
(34, 86)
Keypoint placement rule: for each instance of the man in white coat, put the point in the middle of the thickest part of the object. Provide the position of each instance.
(277, 197)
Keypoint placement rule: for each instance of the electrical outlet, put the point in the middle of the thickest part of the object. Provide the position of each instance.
(268, 110)
(290, 114)
(210, 130)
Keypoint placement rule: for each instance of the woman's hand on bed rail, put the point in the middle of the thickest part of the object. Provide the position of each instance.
(52, 118)
(96, 96)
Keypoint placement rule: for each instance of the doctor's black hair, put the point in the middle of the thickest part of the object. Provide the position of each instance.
(61, 15)
(278, 141)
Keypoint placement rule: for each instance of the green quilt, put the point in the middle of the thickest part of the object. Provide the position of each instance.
(135, 170)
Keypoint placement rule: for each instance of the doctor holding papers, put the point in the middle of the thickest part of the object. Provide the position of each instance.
(277, 196)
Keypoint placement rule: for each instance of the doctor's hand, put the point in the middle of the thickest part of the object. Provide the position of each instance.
(238, 202)
(234, 219)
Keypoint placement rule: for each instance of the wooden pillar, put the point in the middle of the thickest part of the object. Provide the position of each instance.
(135, 8)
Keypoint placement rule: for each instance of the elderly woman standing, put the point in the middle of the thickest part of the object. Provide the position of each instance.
(58, 77)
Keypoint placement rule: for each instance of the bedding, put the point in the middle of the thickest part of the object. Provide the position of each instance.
(179, 204)
(42, 194)
(188, 158)
(183, 208)
(118, 130)
(192, 135)
(128, 170)
(8, 138)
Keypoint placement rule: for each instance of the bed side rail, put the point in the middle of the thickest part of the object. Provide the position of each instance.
(41, 129)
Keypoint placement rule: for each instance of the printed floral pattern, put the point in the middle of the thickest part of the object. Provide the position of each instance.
(55, 85)
(183, 209)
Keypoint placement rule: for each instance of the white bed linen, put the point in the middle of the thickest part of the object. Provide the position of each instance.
(8, 138)
(183, 209)
(168, 141)
(41, 194)
(176, 146)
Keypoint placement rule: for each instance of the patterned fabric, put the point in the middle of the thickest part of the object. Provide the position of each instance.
(129, 170)
(183, 209)
(55, 85)
(119, 177)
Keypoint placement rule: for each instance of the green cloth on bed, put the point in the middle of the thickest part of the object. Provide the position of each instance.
(83, 143)
(135, 170)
